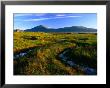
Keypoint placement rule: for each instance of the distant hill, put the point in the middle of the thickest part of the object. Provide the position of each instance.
(42, 28)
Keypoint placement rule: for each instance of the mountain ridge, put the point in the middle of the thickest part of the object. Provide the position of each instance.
(42, 28)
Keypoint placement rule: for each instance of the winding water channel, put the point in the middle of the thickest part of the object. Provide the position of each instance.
(23, 53)
(86, 70)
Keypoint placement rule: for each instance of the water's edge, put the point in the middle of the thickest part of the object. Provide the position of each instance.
(23, 52)
(86, 70)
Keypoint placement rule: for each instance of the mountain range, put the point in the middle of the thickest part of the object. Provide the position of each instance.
(42, 28)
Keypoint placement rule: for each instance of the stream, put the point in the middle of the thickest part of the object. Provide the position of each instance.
(86, 70)
(23, 53)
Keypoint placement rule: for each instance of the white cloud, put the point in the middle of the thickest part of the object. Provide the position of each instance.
(60, 15)
(29, 14)
(40, 19)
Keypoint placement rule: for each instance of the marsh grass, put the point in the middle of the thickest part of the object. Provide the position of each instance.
(44, 60)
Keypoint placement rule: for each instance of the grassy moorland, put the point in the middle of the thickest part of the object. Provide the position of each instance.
(39, 53)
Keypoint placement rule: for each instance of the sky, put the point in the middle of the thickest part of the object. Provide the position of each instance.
(54, 20)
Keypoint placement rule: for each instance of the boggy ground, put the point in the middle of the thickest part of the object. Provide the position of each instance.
(38, 53)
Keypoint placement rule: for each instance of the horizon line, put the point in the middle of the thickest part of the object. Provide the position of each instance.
(52, 27)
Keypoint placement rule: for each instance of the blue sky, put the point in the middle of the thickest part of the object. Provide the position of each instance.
(54, 20)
